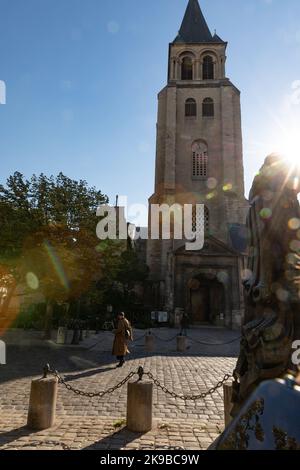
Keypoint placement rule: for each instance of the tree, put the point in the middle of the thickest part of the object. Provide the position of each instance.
(122, 271)
(49, 236)
(131, 270)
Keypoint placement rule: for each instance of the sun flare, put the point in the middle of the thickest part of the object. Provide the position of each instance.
(285, 139)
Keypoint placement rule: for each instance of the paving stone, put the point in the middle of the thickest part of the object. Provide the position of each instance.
(84, 422)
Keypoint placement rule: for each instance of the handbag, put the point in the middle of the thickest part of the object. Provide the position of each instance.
(127, 334)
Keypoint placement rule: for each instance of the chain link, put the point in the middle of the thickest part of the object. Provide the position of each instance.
(204, 343)
(134, 341)
(203, 395)
(156, 382)
(92, 394)
(139, 338)
(165, 339)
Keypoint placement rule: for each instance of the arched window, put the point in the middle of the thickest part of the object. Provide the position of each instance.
(198, 224)
(187, 69)
(190, 108)
(199, 160)
(208, 68)
(208, 108)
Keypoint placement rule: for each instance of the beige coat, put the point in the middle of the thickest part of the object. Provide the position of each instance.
(120, 343)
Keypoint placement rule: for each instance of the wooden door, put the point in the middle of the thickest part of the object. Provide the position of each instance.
(200, 305)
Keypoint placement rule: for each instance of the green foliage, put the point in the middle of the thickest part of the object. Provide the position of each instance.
(31, 317)
(131, 270)
(48, 231)
(28, 205)
(121, 271)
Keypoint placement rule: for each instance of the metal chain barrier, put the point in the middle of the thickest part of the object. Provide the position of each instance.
(202, 395)
(164, 339)
(140, 372)
(81, 393)
(139, 338)
(203, 343)
(134, 341)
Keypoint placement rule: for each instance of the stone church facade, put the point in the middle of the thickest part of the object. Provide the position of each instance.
(199, 160)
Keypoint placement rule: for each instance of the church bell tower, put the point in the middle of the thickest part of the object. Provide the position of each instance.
(199, 158)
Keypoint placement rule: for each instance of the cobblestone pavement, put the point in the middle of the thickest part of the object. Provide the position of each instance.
(92, 423)
(97, 433)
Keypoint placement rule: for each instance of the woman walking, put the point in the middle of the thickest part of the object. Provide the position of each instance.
(123, 334)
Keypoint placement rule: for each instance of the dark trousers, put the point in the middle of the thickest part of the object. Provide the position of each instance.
(120, 358)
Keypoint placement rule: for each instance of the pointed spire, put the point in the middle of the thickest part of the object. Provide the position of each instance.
(194, 28)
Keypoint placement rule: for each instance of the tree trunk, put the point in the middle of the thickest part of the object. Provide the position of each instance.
(76, 334)
(48, 321)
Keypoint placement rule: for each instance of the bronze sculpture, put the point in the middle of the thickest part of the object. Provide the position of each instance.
(272, 295)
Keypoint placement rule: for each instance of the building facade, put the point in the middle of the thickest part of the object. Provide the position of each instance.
(199, 160)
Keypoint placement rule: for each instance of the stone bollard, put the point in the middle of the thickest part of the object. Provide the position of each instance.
(181, 343)
(149, 343)
(69, 336)
(61, 335)
(227, 389)
(42, 404)
(2, 353)
(139, 406)
(76, 336)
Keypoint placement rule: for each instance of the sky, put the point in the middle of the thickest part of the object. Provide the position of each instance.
(82, 78)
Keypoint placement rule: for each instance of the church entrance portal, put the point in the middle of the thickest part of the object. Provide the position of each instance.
(207, 301)
(200, 305)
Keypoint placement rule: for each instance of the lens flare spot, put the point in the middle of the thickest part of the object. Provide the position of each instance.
(265, 213)
(9, 300)
(212, 183)
(296, 183)
(32, 281)
(294, 224)
(57, 264)
(210, 196)
(282, 295)
(113, 27)
(295, 246)
(227, 187)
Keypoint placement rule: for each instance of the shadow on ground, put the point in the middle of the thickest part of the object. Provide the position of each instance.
(28, 361)
(88, 373)
(14, 434)
(115, 441)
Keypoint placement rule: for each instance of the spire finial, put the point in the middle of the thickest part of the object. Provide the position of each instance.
(194, 27)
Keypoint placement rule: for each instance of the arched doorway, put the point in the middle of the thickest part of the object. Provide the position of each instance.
(206, 299)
